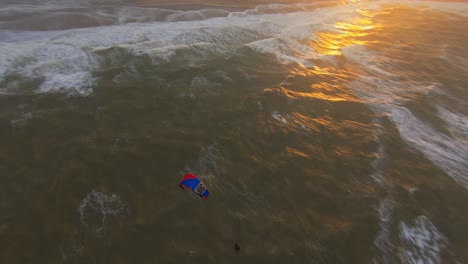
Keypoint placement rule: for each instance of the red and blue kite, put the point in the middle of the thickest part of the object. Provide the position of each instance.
(192, 182)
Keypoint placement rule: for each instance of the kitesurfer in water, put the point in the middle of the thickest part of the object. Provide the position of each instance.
(236, 247)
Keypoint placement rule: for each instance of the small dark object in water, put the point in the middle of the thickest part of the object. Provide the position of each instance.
(236, 247)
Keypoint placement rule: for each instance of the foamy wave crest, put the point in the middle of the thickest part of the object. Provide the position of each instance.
(421, 242)
(57, 66)
(72, 59)
(175, 57)
(278, 117)
(278, 48)
(447, 152)
(97, 208)
(379, 87)
(457, 124)
(196, 15)
(388, 93)
(382, 240)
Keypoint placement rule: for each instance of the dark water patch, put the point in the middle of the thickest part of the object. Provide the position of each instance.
(56, 22)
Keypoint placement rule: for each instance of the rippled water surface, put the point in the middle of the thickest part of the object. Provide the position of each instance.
(326, 133)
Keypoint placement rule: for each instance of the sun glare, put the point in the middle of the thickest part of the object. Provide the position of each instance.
(344, 34)
(328, 84)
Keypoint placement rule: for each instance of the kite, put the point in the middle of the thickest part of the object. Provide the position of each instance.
(192, 182)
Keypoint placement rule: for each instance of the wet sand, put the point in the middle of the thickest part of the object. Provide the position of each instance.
(196, 4)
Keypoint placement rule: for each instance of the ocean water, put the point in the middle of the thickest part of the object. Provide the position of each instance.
(327, 132)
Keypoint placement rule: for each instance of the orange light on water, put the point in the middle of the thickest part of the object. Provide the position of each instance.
(322, 91)
(328, 81)
(328, 86)
(345, 34)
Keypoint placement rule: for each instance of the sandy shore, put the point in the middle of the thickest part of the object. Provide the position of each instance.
(239, 4)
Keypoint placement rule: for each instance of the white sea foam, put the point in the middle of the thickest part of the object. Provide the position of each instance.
(278, 117)
(196, 55)
(448, 153)
(382, 240)
(421, 242)
(379, 87)
(386, 93)
(79, 83)
(279, 49)
(379, 161)
(457, 124)
(97, 207)
(66, 59)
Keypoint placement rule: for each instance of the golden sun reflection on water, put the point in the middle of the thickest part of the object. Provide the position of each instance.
(345, 34)
(329, 80)
(328, 85)
(323, 91)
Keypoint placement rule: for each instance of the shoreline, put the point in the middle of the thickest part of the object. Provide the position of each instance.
(218, 4)
(194, 6)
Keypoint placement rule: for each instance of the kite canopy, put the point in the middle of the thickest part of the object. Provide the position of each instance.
(192, 182)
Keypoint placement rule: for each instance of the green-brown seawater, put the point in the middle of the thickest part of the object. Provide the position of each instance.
(326, 134)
